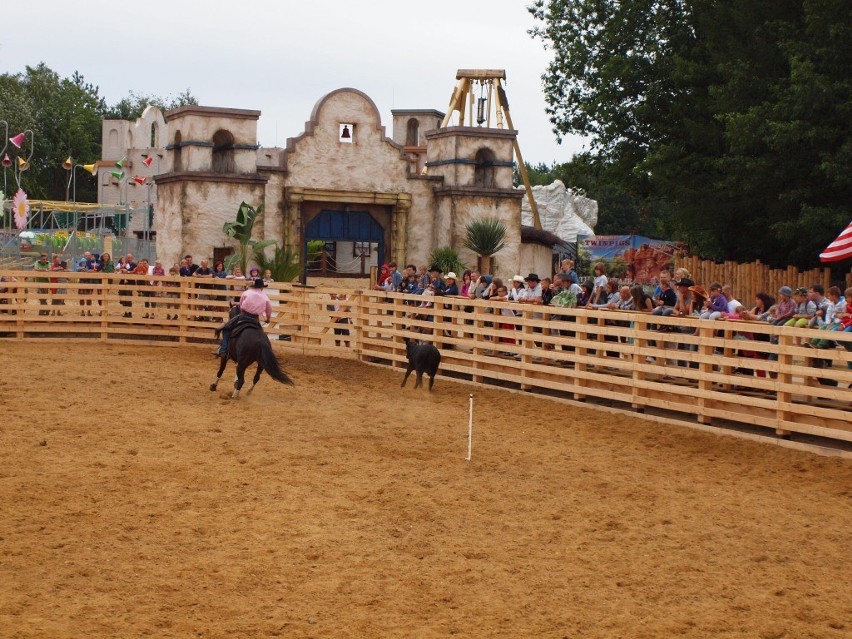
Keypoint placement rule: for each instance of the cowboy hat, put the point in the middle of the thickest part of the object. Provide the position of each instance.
(699, 290)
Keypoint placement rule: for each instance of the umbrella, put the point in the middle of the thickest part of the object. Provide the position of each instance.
(839, 249)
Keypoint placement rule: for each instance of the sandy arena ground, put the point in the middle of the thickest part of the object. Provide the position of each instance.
(134, 502)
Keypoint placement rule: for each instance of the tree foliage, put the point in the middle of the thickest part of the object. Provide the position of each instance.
(485, 236)
(66, 115)
(728, 122)
(131, 107)
(240, 230)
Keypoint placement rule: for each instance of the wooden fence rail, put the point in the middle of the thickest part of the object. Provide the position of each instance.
(751, 278)
(743, 372)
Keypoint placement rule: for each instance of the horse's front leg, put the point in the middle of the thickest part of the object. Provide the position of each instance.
(240, 380)
(256, 377)
(222, 365)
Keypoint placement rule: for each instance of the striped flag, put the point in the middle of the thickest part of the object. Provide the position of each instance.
(839, 249)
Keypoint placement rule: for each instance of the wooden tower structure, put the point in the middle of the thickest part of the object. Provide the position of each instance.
(478, 95)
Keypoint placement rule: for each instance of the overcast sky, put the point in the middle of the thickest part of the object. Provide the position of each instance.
(282, 56)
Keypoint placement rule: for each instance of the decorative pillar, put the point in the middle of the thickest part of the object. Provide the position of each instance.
(399, 227)
(294, 197)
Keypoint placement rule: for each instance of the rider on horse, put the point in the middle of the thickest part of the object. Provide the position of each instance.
(253, 303)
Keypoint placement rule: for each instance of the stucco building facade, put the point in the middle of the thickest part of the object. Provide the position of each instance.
(343, 180)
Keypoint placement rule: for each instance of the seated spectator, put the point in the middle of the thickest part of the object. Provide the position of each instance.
(824, 313)
(610, 296)
(547, 291)
(186, 267)
(665, 275)
(641, 300)
(435, 280)
(467, 282)
(666, 300)
(681, 274)
(423, 278)
(514, 293)
(624, 301)
(763, 302)
(482, 288)
(450, 286)
(834, 324)
(504, 295)
(409, 285)
(569, 275)
(805, 309)
(699, 300)
(585, 294)
(531, 294)
(716, 305)
(786, 307)
(733, 303)
(685, 297)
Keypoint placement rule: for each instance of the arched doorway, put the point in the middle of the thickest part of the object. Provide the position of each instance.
(332, 227)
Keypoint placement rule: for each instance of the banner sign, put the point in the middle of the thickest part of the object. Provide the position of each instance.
(631, 257)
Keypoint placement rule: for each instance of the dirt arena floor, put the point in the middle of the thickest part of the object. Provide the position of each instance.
(136, 503)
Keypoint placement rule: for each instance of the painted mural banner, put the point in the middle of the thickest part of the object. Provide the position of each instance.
(632, 257)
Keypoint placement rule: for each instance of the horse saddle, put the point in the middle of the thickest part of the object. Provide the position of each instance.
(242, 322)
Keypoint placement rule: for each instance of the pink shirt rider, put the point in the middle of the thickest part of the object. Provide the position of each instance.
(255, 301)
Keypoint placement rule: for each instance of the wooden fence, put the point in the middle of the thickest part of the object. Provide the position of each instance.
(741, 372)
(749, 279)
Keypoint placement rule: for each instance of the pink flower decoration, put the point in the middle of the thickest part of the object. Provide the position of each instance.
(21, 207)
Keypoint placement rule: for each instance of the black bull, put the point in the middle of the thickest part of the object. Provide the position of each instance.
(423, 358)
(246, 347)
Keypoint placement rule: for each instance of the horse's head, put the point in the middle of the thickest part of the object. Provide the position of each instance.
(235, 310)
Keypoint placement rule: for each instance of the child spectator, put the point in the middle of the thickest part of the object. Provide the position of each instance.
(716, 305)
(805, 309)
(785, 308)
(667, 299)
(599, 284)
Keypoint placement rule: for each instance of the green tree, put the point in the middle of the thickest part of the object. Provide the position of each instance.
(132, 106)
(65, 115)
(729, 122)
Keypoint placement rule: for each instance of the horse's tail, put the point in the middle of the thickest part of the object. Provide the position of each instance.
(270, 363)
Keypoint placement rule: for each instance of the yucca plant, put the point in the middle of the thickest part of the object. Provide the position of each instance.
(284, 263)
(485, 237)
(447, 259)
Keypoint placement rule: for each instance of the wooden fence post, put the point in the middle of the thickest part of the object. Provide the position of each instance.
(581, 367)
(785, 380)
(640, 340)
(478, 341)
(705, 368)
(526, 343)
(399, 349)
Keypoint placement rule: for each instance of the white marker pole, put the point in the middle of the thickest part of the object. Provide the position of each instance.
(470, 429)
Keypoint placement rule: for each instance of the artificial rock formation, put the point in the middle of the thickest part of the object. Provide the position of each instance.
(562, 212)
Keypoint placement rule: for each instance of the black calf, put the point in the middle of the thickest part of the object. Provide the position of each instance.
(423, 358)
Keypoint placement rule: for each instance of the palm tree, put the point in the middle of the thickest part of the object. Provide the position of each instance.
(284, 263)
(485, 237)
